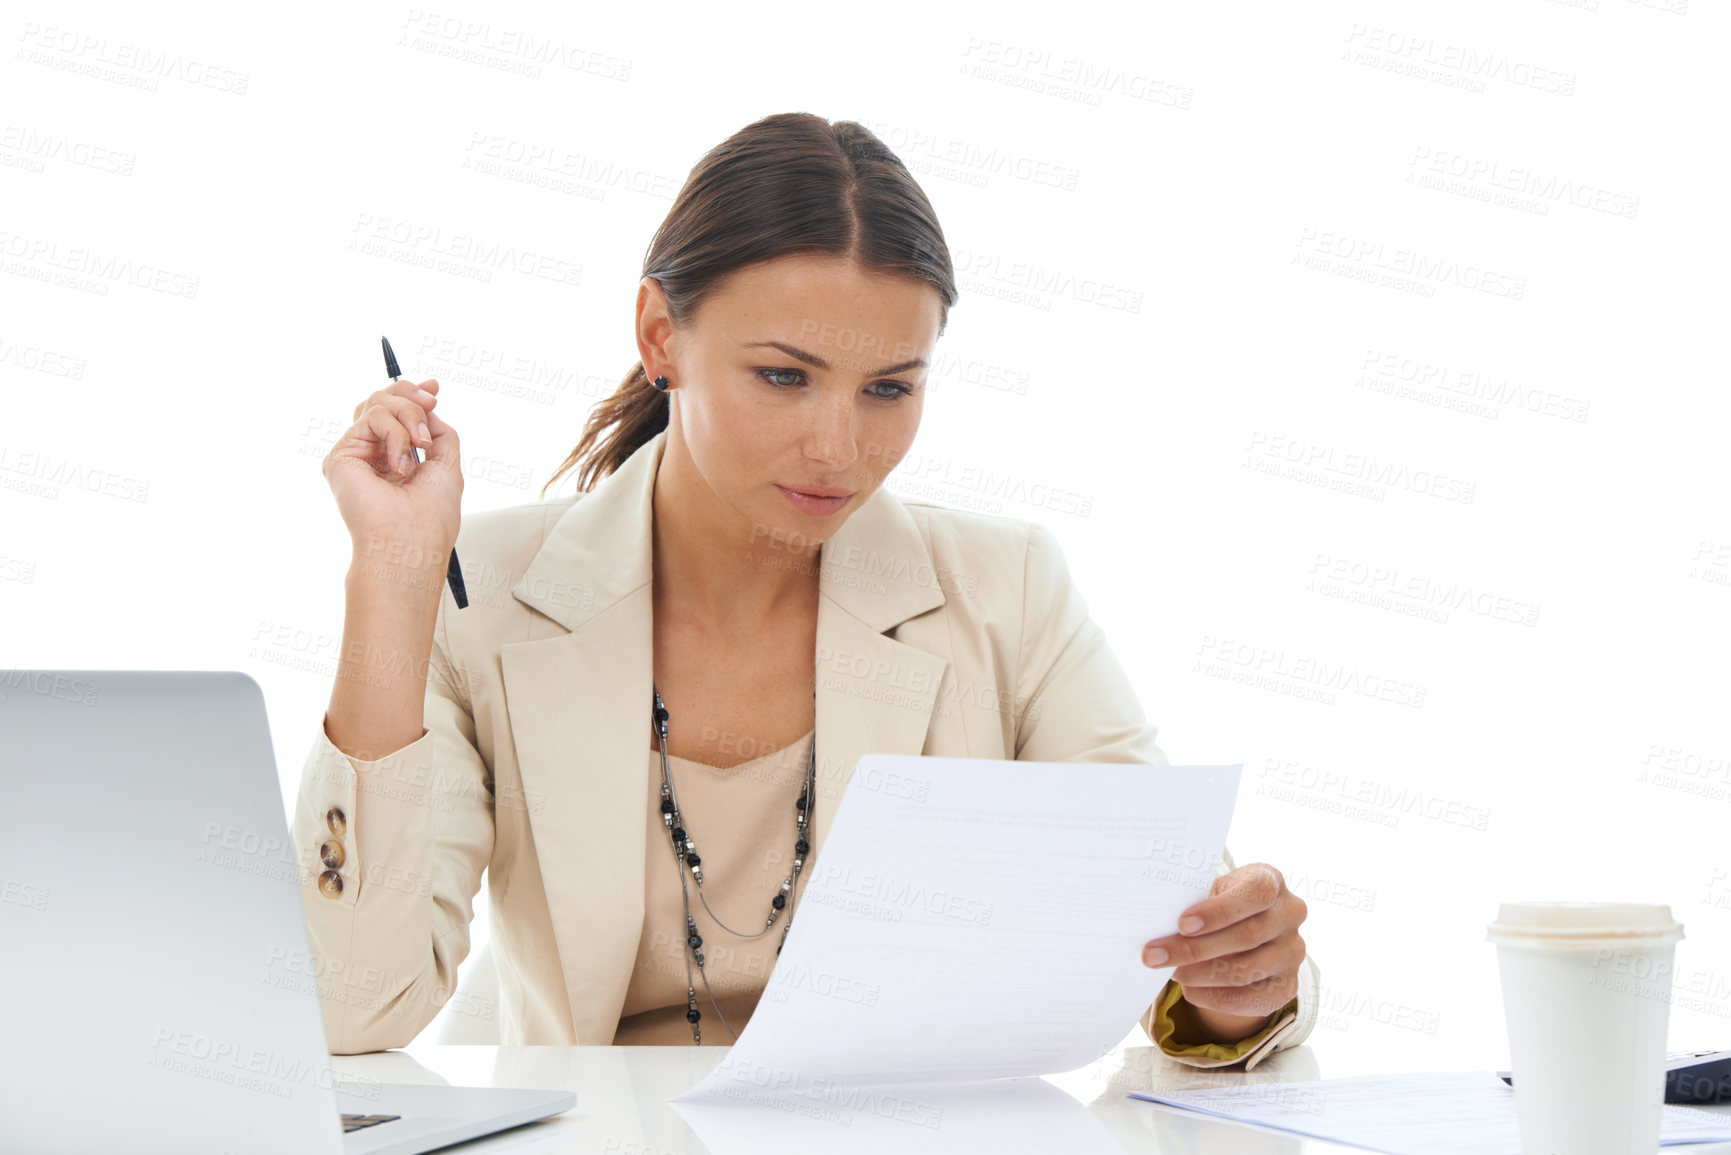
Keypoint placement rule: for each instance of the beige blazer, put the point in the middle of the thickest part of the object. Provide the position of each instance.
(939, 631)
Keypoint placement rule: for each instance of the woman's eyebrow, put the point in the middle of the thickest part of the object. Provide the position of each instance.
(817, 362)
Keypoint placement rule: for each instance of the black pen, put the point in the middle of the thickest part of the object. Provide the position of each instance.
(453, 573)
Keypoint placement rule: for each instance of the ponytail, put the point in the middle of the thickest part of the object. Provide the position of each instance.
(616, 429)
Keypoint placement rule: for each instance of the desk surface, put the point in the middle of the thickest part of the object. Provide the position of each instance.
(623, 1109)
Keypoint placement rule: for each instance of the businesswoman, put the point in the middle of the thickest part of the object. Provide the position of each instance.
(642, 721)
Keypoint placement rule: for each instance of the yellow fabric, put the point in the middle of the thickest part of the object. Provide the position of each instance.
(1164, 1028)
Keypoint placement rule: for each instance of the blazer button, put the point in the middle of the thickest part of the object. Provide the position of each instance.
(332, 854)
(331, 884)
(335, 820)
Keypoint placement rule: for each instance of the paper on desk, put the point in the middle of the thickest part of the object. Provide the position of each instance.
(979, 919)
(1006, 1117)
(1440, 1113)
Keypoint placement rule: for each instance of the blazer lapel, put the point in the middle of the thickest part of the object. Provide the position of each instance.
(875, 693)
(579, 704)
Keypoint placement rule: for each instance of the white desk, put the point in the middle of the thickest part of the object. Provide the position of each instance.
(622, 1106)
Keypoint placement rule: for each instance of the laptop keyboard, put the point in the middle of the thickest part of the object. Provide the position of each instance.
(356, 1122)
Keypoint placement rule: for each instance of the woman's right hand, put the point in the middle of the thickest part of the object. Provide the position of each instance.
(387, 500)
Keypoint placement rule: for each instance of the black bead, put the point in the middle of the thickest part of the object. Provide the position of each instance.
(679, 834)
(801, 846)
(695, 940)
(693, 1015)
(661, 713)
(667, 806)
(778, 901)
(693, 860)
(801, 803)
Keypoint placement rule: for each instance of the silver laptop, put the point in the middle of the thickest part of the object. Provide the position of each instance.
(155, 986)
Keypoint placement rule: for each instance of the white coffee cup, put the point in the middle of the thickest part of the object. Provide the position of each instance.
(1587, 999)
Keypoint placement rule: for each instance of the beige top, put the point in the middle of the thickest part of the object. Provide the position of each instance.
(741, 820)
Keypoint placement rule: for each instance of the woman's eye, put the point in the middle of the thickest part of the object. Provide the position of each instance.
(896, 389)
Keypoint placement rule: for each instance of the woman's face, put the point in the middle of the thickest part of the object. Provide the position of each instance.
(798, 378)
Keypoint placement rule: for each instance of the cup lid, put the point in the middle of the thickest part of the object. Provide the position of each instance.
(1563, 920)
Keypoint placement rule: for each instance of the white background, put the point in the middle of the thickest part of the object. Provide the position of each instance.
(1231, 260)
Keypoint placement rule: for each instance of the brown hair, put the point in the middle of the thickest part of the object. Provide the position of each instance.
(789, 183)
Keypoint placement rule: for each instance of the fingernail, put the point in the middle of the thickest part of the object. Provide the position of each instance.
(422, 430)
(1154, 956)
(403, 463)
(1189, 925)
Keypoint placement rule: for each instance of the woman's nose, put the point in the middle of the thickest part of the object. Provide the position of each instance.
(832, 440)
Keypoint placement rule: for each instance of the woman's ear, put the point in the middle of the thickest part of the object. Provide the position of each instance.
(656, 335)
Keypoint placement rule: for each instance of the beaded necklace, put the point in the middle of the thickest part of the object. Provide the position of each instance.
(685, 851)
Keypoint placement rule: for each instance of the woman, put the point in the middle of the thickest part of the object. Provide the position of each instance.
(732, 556)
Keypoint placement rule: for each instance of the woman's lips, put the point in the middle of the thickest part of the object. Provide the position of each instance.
(816, 506)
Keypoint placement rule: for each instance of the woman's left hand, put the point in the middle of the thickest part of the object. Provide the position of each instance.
(1237, 951)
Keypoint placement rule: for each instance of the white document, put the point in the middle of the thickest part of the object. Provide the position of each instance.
(977, 919)
(1441, 1113)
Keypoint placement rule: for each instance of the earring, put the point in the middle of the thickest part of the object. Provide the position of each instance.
(661, 384)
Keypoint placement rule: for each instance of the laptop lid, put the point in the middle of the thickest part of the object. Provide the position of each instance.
(153, 969)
